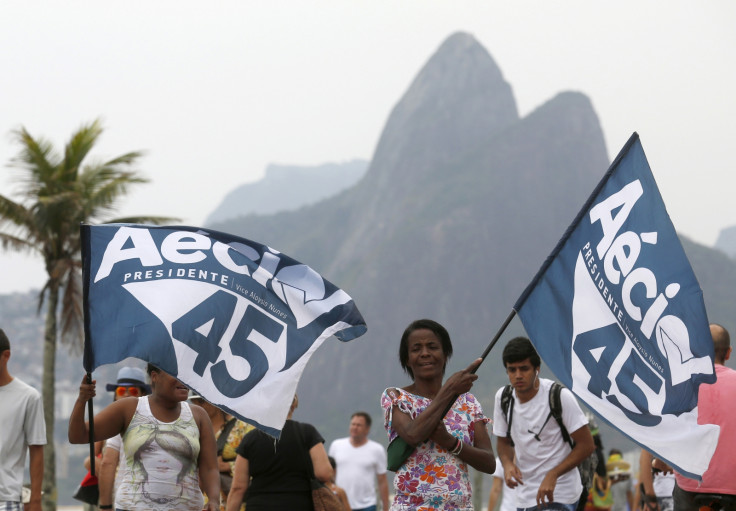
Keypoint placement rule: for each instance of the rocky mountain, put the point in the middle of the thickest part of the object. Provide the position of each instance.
(726, 241)
(461, 203)
(288, 188)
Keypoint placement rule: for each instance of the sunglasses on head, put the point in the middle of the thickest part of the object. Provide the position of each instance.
(128, 391)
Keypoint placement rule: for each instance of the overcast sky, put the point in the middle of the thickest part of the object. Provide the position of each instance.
(215, 91)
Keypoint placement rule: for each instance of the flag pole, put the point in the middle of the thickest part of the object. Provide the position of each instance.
(91, 432)
(496, 337)
(486, 352)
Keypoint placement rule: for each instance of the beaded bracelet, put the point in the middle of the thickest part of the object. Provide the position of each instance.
(458, 448)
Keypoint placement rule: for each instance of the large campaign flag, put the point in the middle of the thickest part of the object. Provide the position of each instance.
(617, 314)
(234, 320)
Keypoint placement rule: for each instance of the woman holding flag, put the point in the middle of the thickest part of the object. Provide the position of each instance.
(435, 474)
(168, 444)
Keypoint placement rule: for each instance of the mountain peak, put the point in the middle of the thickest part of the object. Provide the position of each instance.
(458, 100)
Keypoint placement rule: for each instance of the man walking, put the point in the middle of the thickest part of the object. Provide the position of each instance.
(360, 463)
(22, 428)
(715, 406)
(536, 460)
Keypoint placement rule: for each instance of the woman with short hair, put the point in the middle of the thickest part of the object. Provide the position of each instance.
(435, 475)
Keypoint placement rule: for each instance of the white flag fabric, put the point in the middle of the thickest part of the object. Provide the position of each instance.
(233, 319)
(617, 314)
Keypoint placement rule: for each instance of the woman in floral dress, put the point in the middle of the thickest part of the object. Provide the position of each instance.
(435, 476)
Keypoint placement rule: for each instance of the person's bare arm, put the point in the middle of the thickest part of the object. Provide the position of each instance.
(209, 474)
(647, 479)
(113, 419)
(106, 479)
(584, 447)
(383, 490)
(241, 480)
(496, 489)
(36, 470)
(416, 431)
(478, 455)
(506, 453)
(321, 463)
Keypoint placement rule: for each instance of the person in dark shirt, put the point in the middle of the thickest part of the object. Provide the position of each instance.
(279, 470)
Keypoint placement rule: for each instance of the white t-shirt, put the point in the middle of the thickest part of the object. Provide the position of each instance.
(508, 499)
(537, 457)
(116, 443)
(21, 424)
(357, 468)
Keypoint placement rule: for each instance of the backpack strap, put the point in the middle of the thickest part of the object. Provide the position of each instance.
(555, 407)
(507, 406)
(555, 411)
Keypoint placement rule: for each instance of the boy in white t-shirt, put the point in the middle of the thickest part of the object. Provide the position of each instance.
(536, 460)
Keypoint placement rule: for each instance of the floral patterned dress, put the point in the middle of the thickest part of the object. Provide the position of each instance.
(432, 478)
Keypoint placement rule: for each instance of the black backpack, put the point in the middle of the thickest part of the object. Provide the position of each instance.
(588, 465)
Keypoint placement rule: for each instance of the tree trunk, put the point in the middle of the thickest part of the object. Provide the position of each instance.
(48, 388)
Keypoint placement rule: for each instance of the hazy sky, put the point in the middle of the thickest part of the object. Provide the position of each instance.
(215, 91)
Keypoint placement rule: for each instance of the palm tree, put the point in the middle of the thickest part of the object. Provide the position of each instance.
(58, 192)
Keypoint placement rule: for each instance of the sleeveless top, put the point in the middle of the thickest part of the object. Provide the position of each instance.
(162, 462)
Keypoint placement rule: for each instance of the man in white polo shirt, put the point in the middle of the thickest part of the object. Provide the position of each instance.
(360, 463)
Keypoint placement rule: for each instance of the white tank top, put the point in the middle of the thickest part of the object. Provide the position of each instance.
(162, 462)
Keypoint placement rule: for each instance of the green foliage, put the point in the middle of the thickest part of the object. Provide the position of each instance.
(58, 192)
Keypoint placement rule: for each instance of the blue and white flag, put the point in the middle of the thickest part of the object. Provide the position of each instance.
(617, 314)
(233, 319)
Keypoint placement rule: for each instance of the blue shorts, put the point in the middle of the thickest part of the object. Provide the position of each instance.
(8, 505)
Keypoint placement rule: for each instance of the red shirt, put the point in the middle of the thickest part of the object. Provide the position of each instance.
(716, 406)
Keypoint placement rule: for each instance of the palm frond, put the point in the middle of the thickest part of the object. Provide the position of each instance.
(79, 146)
(102, 195)
(60, 192)
(125, 159)
(15, 215)
(39, 161)
(10, 242)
